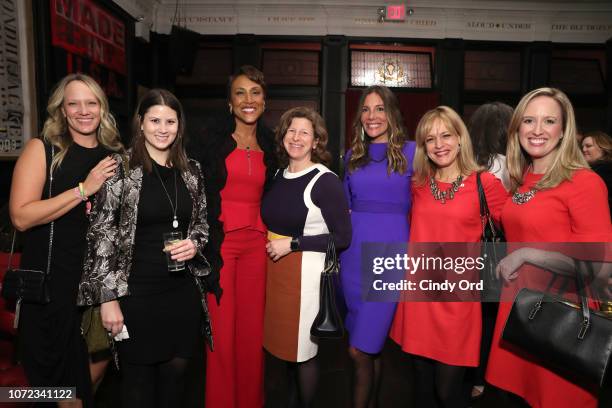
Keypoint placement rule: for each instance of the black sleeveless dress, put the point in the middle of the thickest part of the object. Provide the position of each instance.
(51, 347)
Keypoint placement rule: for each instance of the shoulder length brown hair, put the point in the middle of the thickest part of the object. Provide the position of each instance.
(424, 168)
(55, 130)
(140, 156)
(319, 153)
(568, 156)
(397, 134)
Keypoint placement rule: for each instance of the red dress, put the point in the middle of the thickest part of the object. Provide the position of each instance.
(574, 211)
(448, 332)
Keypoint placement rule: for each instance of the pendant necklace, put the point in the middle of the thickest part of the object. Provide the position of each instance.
(174, 206)
(447, 194)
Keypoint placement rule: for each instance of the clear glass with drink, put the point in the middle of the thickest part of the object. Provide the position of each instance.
(171, 238)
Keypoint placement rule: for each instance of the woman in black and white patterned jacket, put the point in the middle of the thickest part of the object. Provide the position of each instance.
(126, 270)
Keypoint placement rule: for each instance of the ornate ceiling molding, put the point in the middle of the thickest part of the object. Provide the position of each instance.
(556, 21)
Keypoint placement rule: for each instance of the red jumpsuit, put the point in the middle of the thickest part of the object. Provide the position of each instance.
(234, 371)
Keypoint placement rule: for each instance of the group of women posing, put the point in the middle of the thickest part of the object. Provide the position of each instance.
(256, 210)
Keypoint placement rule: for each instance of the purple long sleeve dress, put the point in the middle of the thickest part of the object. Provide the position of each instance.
(380, 204)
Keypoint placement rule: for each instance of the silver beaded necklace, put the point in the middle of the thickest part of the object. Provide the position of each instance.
(522, 198)
(449, 192)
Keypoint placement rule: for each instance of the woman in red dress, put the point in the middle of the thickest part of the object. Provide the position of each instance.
(237, 156)
(443, 338)
(556, 198)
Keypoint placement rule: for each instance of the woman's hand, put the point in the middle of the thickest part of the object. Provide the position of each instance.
(98, 175)
(182, 250)
(278, 248)
(507, 268)
(112, 318)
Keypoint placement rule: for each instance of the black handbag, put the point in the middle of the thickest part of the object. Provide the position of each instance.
(328, 323)
(28, 285)
(493, 248)
(571, 339)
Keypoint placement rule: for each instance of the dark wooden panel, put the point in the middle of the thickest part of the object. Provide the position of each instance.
(576, 76)
(590, 118)
(275, 108)
(492, 71)
(284, 67)
(212, 66)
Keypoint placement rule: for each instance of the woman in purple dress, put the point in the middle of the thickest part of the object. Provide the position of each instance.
(377, 185)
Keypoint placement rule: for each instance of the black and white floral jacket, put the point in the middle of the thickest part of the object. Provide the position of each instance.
(111, 232)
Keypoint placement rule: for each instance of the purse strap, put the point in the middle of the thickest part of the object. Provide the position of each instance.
(331, 257)
(581, 289)
(482, 198)
(52, 222)
(10, 260)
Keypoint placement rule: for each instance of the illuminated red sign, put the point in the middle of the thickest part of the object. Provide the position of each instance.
(396, 12)
(83, 28)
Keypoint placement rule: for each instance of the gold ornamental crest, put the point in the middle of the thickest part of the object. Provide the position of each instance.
(390, 70)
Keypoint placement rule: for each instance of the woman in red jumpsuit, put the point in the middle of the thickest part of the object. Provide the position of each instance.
(237, 158)
(556, 198)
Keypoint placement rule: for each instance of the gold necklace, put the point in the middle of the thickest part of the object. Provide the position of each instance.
(449, 192)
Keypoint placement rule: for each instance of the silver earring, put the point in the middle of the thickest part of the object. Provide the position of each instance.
(231, 111)
(362, 136)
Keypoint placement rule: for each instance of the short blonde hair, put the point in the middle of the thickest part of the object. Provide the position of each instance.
(424, 168)
(568, 156)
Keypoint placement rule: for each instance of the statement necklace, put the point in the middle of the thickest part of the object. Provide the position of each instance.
(522, 198)
(174, 206)
(449, 193)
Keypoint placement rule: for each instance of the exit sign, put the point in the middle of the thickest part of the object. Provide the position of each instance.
(395, 12)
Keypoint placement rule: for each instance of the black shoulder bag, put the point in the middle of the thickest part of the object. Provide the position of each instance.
(492, 249)
(328, 323)
(571, 339)
(29, 285)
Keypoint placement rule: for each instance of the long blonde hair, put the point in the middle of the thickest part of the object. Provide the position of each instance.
(568, 156)
(424, 168)
(55, 129)
(397, 135)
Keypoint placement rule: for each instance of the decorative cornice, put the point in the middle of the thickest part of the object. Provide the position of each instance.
(556, 21)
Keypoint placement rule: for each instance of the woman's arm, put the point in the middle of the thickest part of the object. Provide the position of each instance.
(328, 195)
(26, 207)
(496, 195)
(558, 263)
(101, 280)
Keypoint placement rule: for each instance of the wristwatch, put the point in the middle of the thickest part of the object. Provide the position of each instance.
(295, 244)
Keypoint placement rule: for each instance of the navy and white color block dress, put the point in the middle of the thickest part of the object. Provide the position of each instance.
(307, 205)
